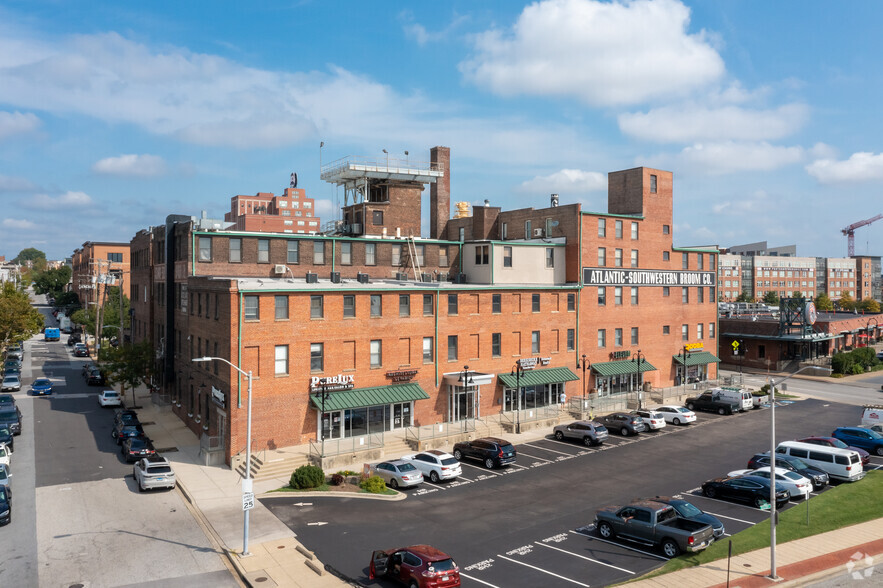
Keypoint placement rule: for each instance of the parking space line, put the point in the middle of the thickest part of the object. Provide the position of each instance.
(731, 518)
(483, 469)
(552, 450)
(535, 457)
(584, 557)
(728, 502)
(593, 538)
(572, 445)
(542, 570)
(480, 581)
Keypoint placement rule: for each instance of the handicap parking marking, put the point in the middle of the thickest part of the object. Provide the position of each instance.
(595, 538)
(584, 557)
(527, 565)
(474, 579)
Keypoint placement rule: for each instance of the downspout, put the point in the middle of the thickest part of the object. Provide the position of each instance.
(333, 246)
(192, 253)
(579, 292)
(239, 352)
(437, 296)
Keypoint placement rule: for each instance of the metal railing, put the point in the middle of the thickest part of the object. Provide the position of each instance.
(529, 415)
(439, 430)
(390, 165)
(346, 445)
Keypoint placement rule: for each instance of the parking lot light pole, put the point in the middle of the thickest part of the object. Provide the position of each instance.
(247, 443)
(638, 361)
(684, 354)
(773, 517)
(517, 371)
(325, 394)
(583, 365)
(465, 380)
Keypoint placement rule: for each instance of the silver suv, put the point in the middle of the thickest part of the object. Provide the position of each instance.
(154, 472)
(589, 432)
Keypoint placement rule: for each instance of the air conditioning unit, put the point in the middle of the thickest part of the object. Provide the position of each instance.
(401, 276)
(335, 277)
(362, 278)
(426, 277)
(443, 277)
(279, 269)
(538, 232)
(312, 278)
(460, 279)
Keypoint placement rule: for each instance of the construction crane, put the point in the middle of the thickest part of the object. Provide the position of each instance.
(850, 232)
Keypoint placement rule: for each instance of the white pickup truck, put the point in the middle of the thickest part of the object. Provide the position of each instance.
(435, 465)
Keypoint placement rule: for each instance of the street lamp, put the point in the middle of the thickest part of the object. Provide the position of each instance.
(387, 160)
(773, 517)
(465, 379)
(325, 394)
(583, 365)
(246, 484)
(517, 371)
(638, 361)
(684, 354)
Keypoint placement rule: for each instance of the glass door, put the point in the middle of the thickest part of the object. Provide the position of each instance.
(463, 403)
(401, 415)
(331, 425)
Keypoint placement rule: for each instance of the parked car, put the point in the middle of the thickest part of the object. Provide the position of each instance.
(677, 415)
(866, 439)
(95, 378)
(712, 402)
(6, 400)
(10, 416)
(691, 512)
(653, 419)
(11, 368)
(11, 382)
(5, 454)
(153, 472)
(751, 489)
(5, 475)
(819, 478)
(7, 437)
(797, 486)
(589, 432)
(80, 350)
(491, 451)
(5, 506)
(123, 431)
(878, 427)
(623, 423)
(654, 523)
(109, 398)
(834, 442)
(435, 465)
(420, 566)
(41, 386)
(398, 473)
(129, 417)
(134, 448)
(74, 338)
(15, 354)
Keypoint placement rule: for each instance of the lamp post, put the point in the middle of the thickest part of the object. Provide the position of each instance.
(638, 360)
(583, 365)
(246, 485)
(465, 379)
(517, 371)
(773, 517)
(407, 160)
(684, 354)
(325, 394)
(387, 160)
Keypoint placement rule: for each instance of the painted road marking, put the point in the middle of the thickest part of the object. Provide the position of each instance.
(731, 518)
(593, 538)
(584, 557)
(542, 570)
(552, 450)
(479, 581)
(535, 457)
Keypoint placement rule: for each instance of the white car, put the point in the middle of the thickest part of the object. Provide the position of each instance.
(11, 382)
(797, 485)
(434, 464)
(5, 454)
(653, 419)
(677, 415)
(109, 398)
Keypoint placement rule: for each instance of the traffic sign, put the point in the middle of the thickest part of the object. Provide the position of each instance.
(247, 500)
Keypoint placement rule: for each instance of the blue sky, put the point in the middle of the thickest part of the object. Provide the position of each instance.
(116, 114)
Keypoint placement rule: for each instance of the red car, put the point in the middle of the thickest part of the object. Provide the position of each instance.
(832, 442)
(422, 566)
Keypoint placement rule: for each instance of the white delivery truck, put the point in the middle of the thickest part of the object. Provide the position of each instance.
(64, 323)
(872, 414)
(740, 396)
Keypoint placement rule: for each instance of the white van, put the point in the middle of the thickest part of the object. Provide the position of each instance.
(841, 464)
(872, 415)
(740, 396)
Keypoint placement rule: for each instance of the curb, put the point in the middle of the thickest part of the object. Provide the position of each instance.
(361, 495)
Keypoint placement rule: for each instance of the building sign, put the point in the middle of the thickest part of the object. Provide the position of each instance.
(218, 397)
(620, 354)
(528, 363)
(809, 313)
(599, 276)
(333, 384)
(694, 346)
(402, 375)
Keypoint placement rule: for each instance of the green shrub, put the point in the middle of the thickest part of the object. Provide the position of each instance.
(857, 368)
(347, 473)
(374, 485)
(765, 391)
(307, 476)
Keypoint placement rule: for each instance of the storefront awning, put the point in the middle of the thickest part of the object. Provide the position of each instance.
(539, 377)
(697, 358)
(621, 367)
(370, 396)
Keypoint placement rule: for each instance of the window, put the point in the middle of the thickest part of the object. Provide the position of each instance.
(482, 254)
(118, 257)
(548, 228)
(634, 335)
(317, 357)
(550, 257)
(443, 257)
(634, 295)
(652, 184)
(571, 338)
(507, 256)
(666, 330)
(617, 258)
(205, 249)
(617, 337)
(427, 350)
(665, 256)
(496, 303)
(461, 233)
(711, 330)
(235, 250)
(571, 302)
(317, 307)
(535, 342)
(602, 227)
(602, 338)
(666, 230)
(281, 368)
(700, 261)
(504, 231)
(700, 295)
(602, 296)
(281, 307)
(617, 229)
(349, 306)
(496, 344)
(421, 254)
(376, 305)
(293, 251)
(452, 347)
(370, 254)
(377, 218)
(617, 296)
(634, 258)
(685, 261)
(527, 231)
(376, 353)
(699, 331)
(427, 305)
(252, 309)
(263, 251)
(404, 305)
(319, 252)
(535, 302)
(396, 255)
(346, 253)
(602, 256)
(685, 332)
(452, 304)
(634, 231)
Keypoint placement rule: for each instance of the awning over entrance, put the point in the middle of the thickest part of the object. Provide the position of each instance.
(370, 397)
(539, 377)
(697, 358)
(621, 367)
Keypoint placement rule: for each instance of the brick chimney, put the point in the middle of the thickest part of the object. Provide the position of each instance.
(440, 194)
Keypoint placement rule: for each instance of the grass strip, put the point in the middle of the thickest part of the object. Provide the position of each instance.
(327, 488)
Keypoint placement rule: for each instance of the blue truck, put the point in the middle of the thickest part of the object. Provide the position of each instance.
(52, 334)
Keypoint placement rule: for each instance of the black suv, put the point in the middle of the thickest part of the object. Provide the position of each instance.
(95, 377)
(818, 477)
(491, 451)
(10, 416)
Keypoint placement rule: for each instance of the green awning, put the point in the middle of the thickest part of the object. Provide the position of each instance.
(621, 367)
(539, 377)
(370, 396)
(697, 358)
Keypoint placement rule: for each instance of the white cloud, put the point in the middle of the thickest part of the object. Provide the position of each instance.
(860, 167)
(15, 184)
(131, 165)
(16, 123)
(65, 201)
(603, 53)
(14, 223)
(730, 157)
(691, 122)
(422, 36)
(566, 181)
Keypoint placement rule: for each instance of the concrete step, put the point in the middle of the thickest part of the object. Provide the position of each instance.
(273, 467)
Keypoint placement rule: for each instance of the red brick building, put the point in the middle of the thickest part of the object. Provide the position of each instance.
(290, 212)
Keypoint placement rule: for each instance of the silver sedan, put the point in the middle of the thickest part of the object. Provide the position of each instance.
(398, 474)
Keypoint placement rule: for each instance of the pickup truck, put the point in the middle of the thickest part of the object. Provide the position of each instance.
(712, 402)
(654, 523)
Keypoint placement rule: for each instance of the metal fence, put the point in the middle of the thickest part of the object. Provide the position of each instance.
(346, 445)
(527, 415)
(439, 430)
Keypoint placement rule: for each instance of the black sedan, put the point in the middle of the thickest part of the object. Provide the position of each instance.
(134, 448)
(95, 378)
(5, 506)
(751, 489)
(691, 512)
(7, 437)
(123, 431)
(795, 464)
(623, 423)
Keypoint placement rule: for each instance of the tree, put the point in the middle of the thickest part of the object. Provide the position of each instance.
(869, 305)
(85, 317)
(129, 365)
(846, 302)
(18, 319)
(743, 297)
(52, 281)
(29, 254)
(798, 295)
(771, 297)
(823, 302)
(110, 312)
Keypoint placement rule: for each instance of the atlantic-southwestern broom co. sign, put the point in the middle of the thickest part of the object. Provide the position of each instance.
(599, 276)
